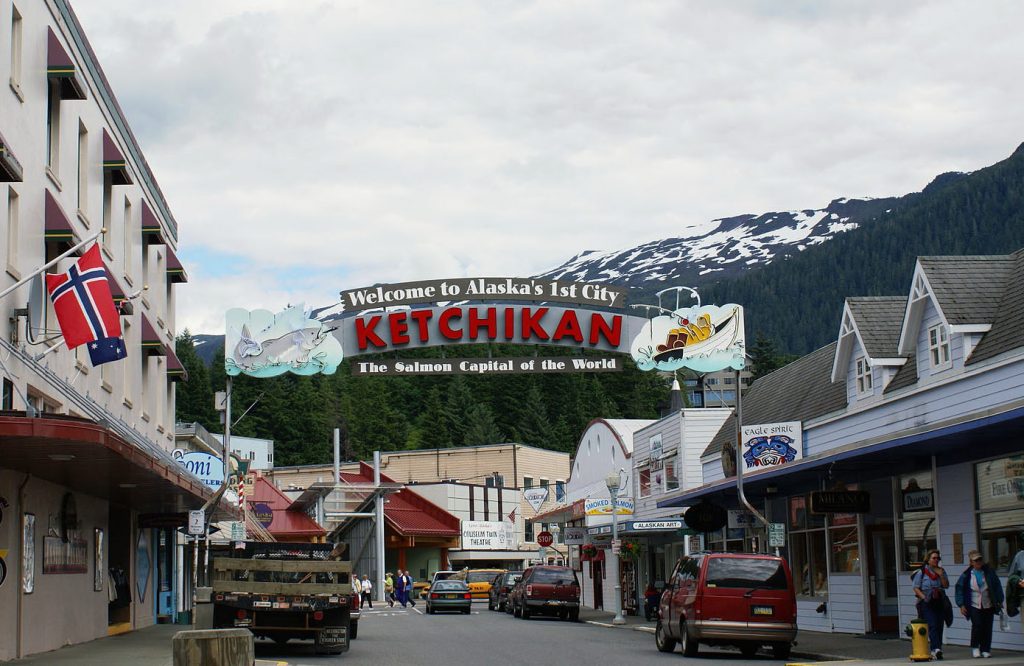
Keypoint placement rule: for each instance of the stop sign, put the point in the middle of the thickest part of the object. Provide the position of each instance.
(545, 539)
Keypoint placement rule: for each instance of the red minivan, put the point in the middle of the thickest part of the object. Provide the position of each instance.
(739, 599)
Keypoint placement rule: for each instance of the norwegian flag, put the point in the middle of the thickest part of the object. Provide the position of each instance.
(83, 304)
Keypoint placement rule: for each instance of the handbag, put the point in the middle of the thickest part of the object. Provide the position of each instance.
(947, 610)
(1004, 622)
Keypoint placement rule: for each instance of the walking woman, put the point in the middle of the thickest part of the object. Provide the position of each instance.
(979, 596)
(389, 589)
(930, 583)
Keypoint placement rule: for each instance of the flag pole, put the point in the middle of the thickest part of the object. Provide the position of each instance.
(42, 268)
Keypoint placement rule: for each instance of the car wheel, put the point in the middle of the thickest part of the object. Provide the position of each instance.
(690, 646)
(664, 643)
(353, 630)
(574, 615)
(781, 650)
(516, 611)
(748, 650)
(467, 611)
(490, 604)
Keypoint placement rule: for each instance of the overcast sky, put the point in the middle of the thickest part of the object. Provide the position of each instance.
(309, 147)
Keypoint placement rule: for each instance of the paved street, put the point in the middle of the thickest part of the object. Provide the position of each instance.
(406, 636)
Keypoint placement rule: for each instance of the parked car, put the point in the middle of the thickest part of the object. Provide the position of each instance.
(738, 599)
(479, 580)
(547, 590)
(500, 586)
(449, 595)
(420, 589)
(508, 596)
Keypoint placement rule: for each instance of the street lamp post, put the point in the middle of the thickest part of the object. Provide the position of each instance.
(613, 490)
(555, 529)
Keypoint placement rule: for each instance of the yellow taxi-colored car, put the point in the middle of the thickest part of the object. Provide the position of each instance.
(479, 581)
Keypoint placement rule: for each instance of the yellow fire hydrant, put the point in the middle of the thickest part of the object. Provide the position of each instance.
(918, 632)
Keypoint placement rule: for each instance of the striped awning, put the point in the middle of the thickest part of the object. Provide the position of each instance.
(175, 271)
(151, 343)
(152, 233)
(10, 167)
(175, 370)
(61, 68)
(114, 162)
(57, 226)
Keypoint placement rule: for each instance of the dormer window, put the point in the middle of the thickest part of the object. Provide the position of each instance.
(938, 346)
(864, 382)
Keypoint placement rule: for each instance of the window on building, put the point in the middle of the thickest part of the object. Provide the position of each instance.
(544, 483)
(864, 382)
(938, 346)
(671, 473)
(845, 542)
(127, 366)
(12, 231)
(999, 492)
(728, 396)
(53, 126)
(7, 401)
(808, 558)
(697, 399)
(527, 482)
(710, 381)
(729, 381)
(16, 29)
(108, 205)
(645, 481)
(144, 397)
(559, 491)
(83, 170)
(128, 236)
(528, 533)
(916, 511)
(689, 382)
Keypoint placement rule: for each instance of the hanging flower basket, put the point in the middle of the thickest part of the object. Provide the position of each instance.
(589, 551)
(630, 549)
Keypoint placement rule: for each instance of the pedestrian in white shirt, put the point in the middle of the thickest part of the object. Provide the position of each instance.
(367, 597)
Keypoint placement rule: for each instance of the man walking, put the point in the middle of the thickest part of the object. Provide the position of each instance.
(410, 592)
(400, 588)
(367, 592)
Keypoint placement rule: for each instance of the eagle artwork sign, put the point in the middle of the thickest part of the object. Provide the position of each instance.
(771, 445)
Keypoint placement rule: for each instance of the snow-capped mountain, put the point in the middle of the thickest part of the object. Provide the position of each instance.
(724, 247)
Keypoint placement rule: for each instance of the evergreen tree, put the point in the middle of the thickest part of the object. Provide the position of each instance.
(193, 397)
(432, 424)
(457, 407)
(764, 356)
(535, 428)
(481, 428)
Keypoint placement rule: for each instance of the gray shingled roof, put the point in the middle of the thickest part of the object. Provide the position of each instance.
(799, 391)
(879, 320)
(905, 376)
(1008, 324)
(969, 288)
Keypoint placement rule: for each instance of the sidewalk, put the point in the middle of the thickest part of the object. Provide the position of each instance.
(835, 647)
(146, 647)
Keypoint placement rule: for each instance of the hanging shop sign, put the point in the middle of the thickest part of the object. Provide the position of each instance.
(771, 445)
(652, 526)
(263, 514)
(656, 447)
(840, 501)
(261, 343)
(603, 506)
(484, 535)
(706, 517)
(536, 497)
(918, 499)
(740, 519)
(574, 536)
(207, 467)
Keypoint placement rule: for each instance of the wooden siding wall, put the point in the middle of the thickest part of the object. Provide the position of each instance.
(700, 427)
(846, 603)
(808, 618)
(670, 429)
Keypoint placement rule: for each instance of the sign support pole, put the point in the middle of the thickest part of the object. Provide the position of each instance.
(379, 532)
(739, 455)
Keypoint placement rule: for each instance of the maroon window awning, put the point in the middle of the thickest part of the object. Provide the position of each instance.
(61, 69)
(10, 167)
(57, 226)
(151, 343)
(117, 291)
(114, 162)
(175, 370)
(175, 271)
(152, 233)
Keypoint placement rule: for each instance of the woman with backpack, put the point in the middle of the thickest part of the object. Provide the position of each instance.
(930, 583)
(980, 597)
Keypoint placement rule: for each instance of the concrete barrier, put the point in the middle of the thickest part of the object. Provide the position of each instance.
(214, 647)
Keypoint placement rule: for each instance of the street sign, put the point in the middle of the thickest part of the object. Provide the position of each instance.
(616, 546)
(545, 539)
(238, 531)
(196, 522)
(776, 535)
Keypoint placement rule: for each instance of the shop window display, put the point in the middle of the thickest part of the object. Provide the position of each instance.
(916, 511)
(999, 492)
(808, 558)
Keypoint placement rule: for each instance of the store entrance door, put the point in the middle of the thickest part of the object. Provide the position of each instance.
(882, 586)
(597, 574)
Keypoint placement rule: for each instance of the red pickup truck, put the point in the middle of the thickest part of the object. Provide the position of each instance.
(547, 590)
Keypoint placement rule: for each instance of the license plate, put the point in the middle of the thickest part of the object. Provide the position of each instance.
(555, 603)
(333, 635)
(763, 610)
(451, 596)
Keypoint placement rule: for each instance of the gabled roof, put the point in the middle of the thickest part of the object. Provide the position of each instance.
(800, 391)
(878, 323)
(968, 288)
(285, 523)
(1007, 330)
(409, 513)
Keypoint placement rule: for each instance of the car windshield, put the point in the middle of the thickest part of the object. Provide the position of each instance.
(512, 579)
(479, 576)
(449, 586)
(554, 577)
(746, 572)
(443, 575)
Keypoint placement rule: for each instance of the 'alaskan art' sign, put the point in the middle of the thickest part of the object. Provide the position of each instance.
(771, 445)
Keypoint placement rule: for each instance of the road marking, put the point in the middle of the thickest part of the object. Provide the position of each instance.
(649, 630)
(600, 624)
(417, 610)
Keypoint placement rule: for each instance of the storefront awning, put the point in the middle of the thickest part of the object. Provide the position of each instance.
(61, 68)
(10, 167)
(114, 162)
(86, 457)
(56, 225)
(152, 232)
(560, 514)
(151, 342)
(175, 370)
(175, 271)
(117, 291)
(993, 435)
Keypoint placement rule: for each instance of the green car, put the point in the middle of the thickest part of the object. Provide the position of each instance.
(449, 595)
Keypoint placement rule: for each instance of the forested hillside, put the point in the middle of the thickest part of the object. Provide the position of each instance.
(391, 413)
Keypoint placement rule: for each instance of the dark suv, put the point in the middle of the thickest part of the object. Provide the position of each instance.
(500, 586)
(547, 590)
(739, 599)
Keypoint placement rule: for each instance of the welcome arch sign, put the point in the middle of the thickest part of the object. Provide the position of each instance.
(522, 311)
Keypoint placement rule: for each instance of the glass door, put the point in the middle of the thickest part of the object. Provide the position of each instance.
(882, 580)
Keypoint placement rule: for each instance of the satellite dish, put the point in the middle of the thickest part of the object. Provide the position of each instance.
(37, 302)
